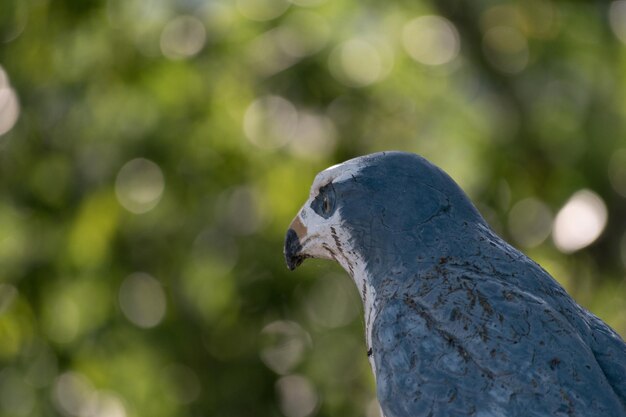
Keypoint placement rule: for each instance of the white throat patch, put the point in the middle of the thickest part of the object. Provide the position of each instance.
(327, 239)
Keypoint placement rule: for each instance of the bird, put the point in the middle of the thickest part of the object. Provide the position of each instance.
(457, 321)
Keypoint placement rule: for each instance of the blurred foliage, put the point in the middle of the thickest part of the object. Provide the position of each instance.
(162, 148)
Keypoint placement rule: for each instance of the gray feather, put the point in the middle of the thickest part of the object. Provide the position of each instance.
(467, 325)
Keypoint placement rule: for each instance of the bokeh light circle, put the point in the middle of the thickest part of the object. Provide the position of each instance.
(108, 404)
(580, 222)
(9, 104)
(74, 394)
(506, 48)
(530, 222)
(283, 345)
(296, 396)
(270, 122)
(356, 63)
(431, 40)
(617, 19)
(183, 37)
(142, 300)
(316, 136)
(243, 211)
(139, 185)
(617, 171)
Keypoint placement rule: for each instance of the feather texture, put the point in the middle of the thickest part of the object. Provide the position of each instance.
(460, 323)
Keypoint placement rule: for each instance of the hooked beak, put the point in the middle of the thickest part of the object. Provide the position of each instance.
(293, 248)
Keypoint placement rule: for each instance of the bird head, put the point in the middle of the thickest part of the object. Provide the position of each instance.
(369, 209)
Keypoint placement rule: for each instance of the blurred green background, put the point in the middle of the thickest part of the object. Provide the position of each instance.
(153, 152)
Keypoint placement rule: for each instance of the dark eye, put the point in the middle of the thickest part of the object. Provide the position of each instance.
(324, 203)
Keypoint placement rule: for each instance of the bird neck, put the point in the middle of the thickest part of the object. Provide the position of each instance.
(410, 255)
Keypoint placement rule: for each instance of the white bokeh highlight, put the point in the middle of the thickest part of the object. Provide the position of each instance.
(183, 37)
(283, 345)
(296, 396)
(617, 19)
(316, 136)
(139, 185)
(9, 104)
(108, 404)
(530, 222)
(270, 122)
(580, 222)
(431, 40)
(360, 62)
(75, 396)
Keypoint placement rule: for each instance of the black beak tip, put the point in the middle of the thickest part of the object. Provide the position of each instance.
(293, 263)
(293, 256)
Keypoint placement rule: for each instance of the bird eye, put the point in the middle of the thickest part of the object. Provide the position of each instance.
(324, 203)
